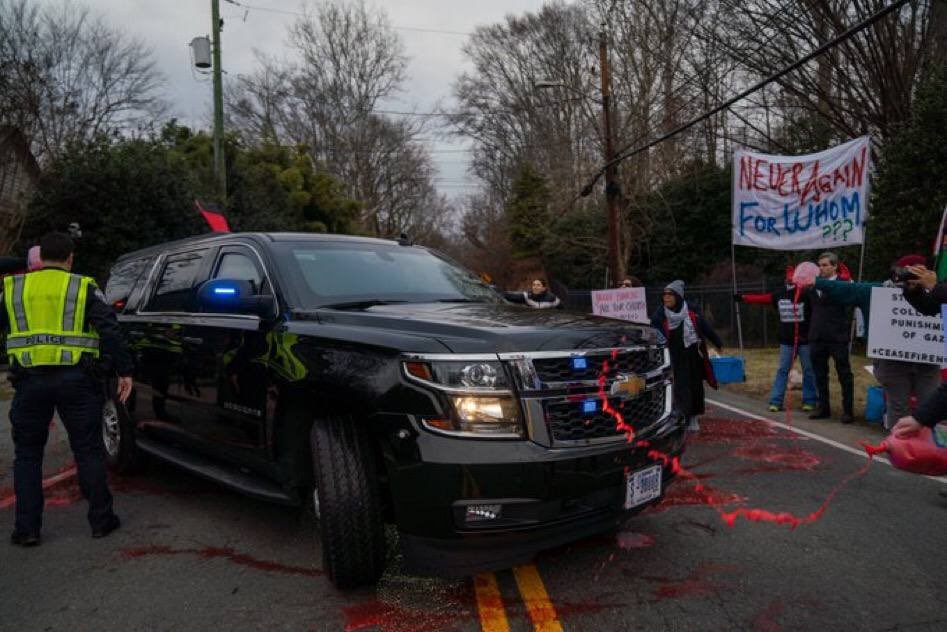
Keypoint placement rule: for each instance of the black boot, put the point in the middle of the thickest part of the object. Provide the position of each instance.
(21, 538)
(110, 526)
(821, 413)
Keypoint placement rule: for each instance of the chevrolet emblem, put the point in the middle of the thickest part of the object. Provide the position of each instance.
(628, 385)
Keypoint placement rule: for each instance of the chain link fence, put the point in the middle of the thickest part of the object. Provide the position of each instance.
(760, 322)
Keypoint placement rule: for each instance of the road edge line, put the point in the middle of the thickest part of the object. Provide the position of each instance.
(811, 435)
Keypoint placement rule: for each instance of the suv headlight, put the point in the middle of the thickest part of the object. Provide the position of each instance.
(482, 404)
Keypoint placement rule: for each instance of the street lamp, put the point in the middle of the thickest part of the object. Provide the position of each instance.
(612, 190)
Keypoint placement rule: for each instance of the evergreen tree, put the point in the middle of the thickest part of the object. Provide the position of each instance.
(910, 190)
(528, 213)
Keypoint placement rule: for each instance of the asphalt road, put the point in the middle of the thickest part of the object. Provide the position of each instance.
(191, 556)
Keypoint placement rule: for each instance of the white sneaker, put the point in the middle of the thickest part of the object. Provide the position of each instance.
(694, 425)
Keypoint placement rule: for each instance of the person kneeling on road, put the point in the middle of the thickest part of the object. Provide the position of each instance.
(55, 324)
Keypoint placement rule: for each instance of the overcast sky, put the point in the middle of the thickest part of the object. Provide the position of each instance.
(435, 58)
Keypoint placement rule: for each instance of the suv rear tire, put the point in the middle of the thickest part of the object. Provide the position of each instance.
(347, 503)
(118, 435)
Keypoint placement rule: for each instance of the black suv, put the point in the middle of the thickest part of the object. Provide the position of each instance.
(381, 382)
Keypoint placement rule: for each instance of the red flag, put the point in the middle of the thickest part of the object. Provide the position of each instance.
(214, 219)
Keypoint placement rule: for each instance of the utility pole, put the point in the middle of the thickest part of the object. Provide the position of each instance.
(616, 268)
(220, 172)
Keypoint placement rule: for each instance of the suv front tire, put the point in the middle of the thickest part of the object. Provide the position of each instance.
(347, 503)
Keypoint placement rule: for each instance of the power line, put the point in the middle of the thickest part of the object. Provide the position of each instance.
(416, 29)
(626, 153)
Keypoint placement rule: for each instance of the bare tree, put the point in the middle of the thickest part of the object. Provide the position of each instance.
(659, 78)
(864, 85)
(346, 60)
(67, 76)
(511, 123)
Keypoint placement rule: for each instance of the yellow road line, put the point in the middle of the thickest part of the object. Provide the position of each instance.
(490, 603)
(538, 605)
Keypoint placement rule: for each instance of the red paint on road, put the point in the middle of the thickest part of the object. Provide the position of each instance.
(767, 620)
(63, 495)
(786, 518)
(389, 617)
(226, 553)
(697, 584)
(779, 460)
(629, 540)
(721, 430)
(680, 495)
(65, 475)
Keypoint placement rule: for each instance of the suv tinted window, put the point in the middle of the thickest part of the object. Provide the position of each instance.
(179, 276)
(123, 277)
(238, 266)
(329, 273)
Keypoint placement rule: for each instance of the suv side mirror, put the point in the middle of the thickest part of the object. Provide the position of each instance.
(233, 297)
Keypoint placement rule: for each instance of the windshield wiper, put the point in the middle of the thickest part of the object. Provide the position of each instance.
(359, 304)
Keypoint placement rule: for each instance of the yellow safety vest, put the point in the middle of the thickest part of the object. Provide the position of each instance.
(46, 312)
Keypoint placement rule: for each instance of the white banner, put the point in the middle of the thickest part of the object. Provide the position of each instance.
(625, 303)
(818, 201)
(897, 332)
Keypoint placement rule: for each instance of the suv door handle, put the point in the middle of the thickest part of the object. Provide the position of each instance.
(192, 341)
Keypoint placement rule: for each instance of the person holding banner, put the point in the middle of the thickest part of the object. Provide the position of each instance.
(898, 377)
(686, 333)
(794, 317)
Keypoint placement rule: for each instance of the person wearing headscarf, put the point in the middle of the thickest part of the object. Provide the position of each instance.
(686, 332)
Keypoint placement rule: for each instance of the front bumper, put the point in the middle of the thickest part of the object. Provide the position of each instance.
(549, 497)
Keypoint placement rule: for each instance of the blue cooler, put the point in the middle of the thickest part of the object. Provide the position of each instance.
(875, 405)
(728, 370)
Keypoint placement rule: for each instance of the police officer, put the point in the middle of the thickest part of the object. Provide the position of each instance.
(56, 323)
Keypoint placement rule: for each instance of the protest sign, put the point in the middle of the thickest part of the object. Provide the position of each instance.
(816, 201)
(625, 303)
(896, 331)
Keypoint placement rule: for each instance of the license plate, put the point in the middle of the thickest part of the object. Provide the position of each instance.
(642, 486)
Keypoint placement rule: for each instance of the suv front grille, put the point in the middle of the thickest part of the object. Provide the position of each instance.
(567, 422)
(561, 369)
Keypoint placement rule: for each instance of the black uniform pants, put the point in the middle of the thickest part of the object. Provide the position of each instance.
(78, 399)
(838, 351)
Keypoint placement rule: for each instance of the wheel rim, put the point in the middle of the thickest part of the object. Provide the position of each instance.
(111, 430)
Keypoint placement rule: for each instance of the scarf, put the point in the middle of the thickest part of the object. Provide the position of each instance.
(682, 316)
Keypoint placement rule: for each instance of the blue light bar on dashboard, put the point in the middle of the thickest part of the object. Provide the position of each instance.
(579, 364)
(226, 291)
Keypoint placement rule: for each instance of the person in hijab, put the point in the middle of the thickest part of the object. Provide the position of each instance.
(686, 333)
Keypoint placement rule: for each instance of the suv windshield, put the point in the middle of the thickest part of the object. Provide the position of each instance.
(327, 273)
